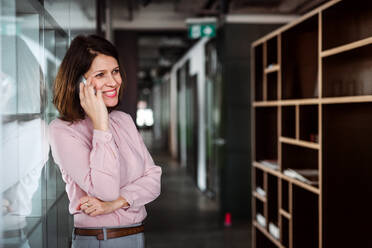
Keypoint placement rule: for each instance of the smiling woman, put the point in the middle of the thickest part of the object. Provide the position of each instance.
(106, 77)
(97, 60)
(109, 173)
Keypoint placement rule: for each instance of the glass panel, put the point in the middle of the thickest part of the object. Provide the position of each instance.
(80, 19)
(32, 46)
(57, 8)
(23, 128)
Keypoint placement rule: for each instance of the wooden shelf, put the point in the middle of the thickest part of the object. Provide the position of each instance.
(272, 68)
(301, 184)
(289, 179)
(346, 99)
(325, 100)
(317, 93)
(267, 169)
(266, 104)
(285, 214)
(258, 196)
(307, 101)
(306, 144)
(347, 47)
(267, 234)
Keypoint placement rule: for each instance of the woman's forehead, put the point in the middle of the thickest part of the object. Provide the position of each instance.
(102, 62)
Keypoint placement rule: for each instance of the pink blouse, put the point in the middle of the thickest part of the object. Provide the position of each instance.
(105, 165)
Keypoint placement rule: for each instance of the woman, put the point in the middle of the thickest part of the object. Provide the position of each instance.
(108, 171)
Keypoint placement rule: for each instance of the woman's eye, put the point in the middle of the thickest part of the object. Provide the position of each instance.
(99, 75)
(116, 71)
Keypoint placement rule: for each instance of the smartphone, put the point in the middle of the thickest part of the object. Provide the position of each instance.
(84, 80)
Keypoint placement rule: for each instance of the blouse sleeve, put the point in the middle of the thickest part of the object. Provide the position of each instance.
(146, 188)
(95, 169)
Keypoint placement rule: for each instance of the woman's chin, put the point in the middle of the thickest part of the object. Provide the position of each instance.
(111, 102)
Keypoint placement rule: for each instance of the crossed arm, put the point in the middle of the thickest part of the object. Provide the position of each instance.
(96, 170)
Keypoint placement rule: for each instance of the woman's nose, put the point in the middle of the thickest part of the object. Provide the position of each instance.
(111, 81)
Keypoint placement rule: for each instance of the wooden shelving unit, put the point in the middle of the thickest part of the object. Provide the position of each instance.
(312, 130)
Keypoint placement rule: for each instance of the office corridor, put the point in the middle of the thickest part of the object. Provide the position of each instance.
(184, 217)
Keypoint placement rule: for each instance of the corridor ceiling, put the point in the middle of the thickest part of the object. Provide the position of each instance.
(161, 25)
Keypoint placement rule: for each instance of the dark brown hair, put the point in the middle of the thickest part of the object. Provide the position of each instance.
(77, 61)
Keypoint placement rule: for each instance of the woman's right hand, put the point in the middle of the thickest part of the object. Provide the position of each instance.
(94, 105)
(93, 206)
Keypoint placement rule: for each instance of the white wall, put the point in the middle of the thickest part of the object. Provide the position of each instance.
(196, 56)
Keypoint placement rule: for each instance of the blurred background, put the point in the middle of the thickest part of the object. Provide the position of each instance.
(188, 90)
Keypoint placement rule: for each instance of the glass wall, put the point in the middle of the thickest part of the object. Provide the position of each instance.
(34, 37)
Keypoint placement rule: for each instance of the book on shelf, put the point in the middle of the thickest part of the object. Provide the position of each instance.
(274, 230)
(270, 163)
(309, 176)
(261, 220)
(261, 191)
(271, 66)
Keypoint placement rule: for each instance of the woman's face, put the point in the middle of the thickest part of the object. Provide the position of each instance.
(106, 77)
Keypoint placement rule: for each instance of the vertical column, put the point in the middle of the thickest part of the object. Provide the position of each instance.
(320, 154)
(253, 143)
(108, 19)
(1, 114)
(278, 138)
(266, 209)
(291, 214)
(280, 67)
(264, 77)
(253, 200)
(297, 122)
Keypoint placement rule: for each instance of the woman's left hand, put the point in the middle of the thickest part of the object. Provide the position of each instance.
(93, 206)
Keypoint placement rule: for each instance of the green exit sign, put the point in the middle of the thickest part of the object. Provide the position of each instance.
(201, 27)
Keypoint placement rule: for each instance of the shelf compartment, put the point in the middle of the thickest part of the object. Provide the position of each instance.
(347, 174)
(272, 86)
(259, 177)
(259, 191)
(266, 133)
(272, 52)
(264, 239)
(285, 195)
(258, 72)
(272, 199)
(296, 157)
(284, 237)
(305, 218)
(289, 121)
(302, 162)
(344, 48)
(346, 22)
(348, 73)
(309, 123)
(300, 60)
(260, 213)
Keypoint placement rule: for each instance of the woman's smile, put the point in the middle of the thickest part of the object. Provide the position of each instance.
(110, 93)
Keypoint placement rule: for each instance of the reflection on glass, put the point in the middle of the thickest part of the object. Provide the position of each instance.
(32, 46)
(23, 142)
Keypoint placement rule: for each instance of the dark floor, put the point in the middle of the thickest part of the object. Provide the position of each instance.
(183, 217)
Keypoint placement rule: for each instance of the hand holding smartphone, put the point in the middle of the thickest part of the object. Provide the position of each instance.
(84, 80)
